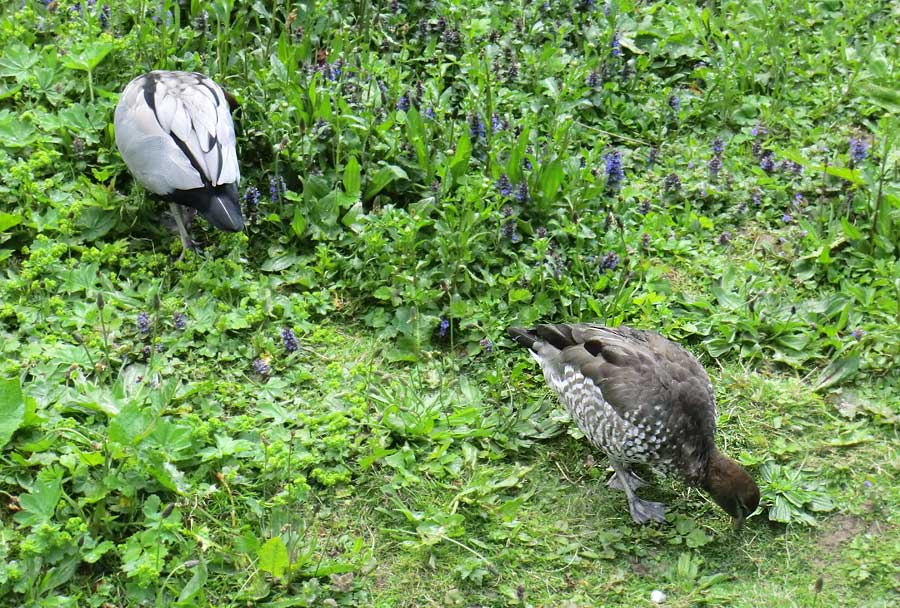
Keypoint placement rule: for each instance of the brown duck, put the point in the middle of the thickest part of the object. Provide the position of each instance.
(642, 399)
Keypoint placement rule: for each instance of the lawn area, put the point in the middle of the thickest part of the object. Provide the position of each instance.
(324, 409)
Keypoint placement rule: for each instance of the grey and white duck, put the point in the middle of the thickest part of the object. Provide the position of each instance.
(641, 399)
(175, 133)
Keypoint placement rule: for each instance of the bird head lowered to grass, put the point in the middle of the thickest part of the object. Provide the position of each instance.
(642, 399)
(175, 133)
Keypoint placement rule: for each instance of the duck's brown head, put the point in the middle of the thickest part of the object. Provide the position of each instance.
(731, 487)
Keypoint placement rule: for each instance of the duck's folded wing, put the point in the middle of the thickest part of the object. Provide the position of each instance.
(642, 376)
(151, 154)
(194, 110)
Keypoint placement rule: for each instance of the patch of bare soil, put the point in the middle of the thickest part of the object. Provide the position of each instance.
(840, 530)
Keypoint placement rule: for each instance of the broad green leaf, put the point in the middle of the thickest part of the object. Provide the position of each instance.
(194, 586)
(793, 341)
(551, 179)
(887, 98)
(12, 408)
(850, 175)
(517, 157)
(838, 371)
(280, 262)
(382, 178)
(384, 293)
(329, 567)
(273, 557)
(167, 474)
(8, 220)
(9, 90)
(86, 59)
(851, 231)
(17, 61)
(96, 223)
(351, 217)
(352, 179)
(460, 161)
(15, 132)
(131, 425)
(298, 222)
(727, 299)
(794, 155)
(697, 538)
(87, 121)
(716, 347)
(278, 68)
(92, 555)
(39, 504)
(519, 295)
(415, 129)
(781, 511)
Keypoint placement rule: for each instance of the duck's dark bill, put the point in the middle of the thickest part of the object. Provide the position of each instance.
(220, 206)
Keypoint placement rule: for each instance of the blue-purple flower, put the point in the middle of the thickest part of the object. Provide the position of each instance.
(672, 183)
(476, 126)
(615, 49)
(487, 344)
(289, 339)
(443, 327)
(522, 193)
(787, 218)
(261, 366)
(429, 113)
(504, 185)
(859, 150)
(594, 79)
(675, 103)
(143, 322)
(510, 231)
(179, 320)
(614, 172)
(403, 103)
(718, 146)
(609, 261)
(715, 165)
(858, 334)
(105, 14)
(251, 196)
(767, 161)
(277, 187)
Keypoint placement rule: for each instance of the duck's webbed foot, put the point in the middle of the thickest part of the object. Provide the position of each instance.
(643, 511)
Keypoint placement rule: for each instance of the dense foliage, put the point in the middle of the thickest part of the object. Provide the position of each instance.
(323, 410)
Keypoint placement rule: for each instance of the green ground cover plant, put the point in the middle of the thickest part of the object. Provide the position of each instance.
(323, 410)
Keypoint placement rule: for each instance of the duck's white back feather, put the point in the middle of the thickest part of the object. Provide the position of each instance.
(187, 109)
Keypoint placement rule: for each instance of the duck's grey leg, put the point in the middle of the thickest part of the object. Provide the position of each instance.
(641, 510)
(634, 482)
(186, 241)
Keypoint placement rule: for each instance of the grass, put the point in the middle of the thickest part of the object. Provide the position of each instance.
(417, 177)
